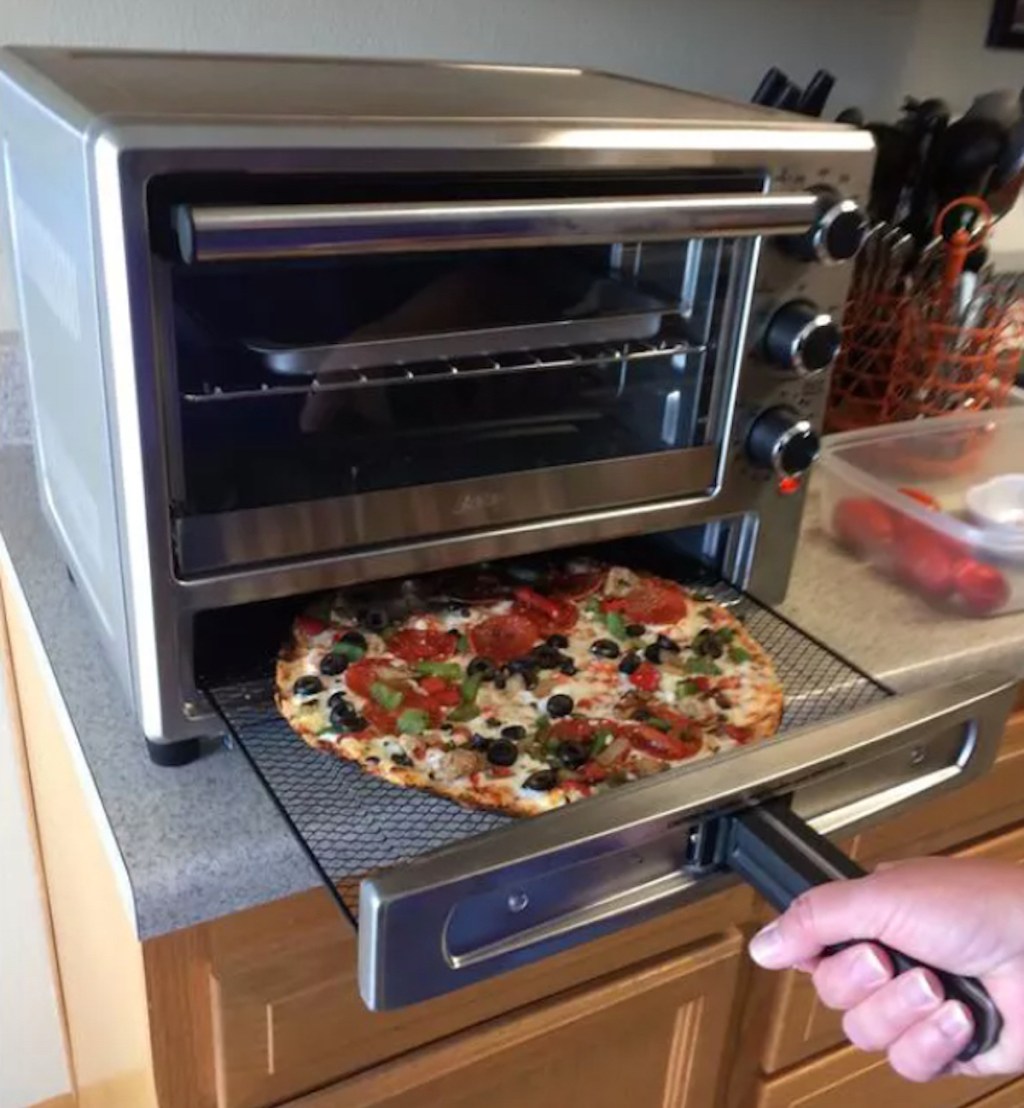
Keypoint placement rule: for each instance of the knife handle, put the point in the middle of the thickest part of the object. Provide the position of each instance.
(782, 856)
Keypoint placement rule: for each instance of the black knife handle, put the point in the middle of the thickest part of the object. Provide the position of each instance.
(782, 856)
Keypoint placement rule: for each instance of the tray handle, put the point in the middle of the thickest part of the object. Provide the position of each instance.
(782, 856)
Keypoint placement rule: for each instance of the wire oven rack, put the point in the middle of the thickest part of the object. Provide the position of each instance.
(351, 824)
(523, 361)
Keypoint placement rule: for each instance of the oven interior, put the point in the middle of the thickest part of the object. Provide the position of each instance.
(352, 824)
(316, 377)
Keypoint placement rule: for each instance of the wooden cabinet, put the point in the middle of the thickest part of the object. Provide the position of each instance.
(853, 1079)
(287, 1016)
(652, 1038)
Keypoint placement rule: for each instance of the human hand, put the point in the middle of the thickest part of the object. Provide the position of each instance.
(964, 916)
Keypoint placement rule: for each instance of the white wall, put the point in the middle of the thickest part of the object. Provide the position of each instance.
(32, 1066)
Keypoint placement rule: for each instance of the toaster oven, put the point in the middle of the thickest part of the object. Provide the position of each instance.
(297, 324)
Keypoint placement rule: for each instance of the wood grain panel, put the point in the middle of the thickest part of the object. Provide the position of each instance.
(1010, 1096)
(98, 954)
(651, 1038)
(288, 1016)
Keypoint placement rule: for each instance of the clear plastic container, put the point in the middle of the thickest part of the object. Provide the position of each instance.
(897, 497)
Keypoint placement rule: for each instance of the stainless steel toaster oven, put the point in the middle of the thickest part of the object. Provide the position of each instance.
(296, 324)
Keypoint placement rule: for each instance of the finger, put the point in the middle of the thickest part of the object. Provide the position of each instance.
(851, 976)
(876, 1023)
(929, 1046)
(813, 921)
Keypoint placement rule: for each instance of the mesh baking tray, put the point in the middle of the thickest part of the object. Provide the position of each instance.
(352, 824)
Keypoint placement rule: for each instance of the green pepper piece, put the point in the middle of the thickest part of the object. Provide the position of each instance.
(470, 687)
(450, 671)
(738, 654)
(462, 646)
(659, 724)
(463, 713)
(685, 689)
(386, 697)
(353, 651)
(701, 665)
(602, 737)
(616, 625)
(413, 721)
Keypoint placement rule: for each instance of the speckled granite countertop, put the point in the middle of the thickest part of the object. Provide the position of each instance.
(196, 842)
(205, 840)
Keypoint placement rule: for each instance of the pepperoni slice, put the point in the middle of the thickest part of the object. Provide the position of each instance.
(652, 602)
(578, 585)
(361, 675)
(667, 746)
(310, 625)
(547, 614)
(502, 638)
(412, 645)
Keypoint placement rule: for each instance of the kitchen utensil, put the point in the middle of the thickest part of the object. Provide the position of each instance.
(966, 154)
(852, 116)
(1001, 106)
(815, 95)
(782, 856)
(772, 88)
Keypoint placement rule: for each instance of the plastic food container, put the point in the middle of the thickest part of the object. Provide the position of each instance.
(906, 497)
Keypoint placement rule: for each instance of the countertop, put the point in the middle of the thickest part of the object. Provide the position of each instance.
(204, 840)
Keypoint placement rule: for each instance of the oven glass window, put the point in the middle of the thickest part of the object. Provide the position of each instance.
(305, 380)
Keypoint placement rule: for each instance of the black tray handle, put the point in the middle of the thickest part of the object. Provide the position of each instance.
(782, 856)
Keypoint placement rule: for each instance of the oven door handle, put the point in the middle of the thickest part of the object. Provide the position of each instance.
(503, 900)
(221, 233)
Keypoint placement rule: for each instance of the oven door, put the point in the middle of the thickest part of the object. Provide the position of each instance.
(444, 896)
(355, 374)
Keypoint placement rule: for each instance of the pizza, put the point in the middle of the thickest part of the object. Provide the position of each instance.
(523, 689)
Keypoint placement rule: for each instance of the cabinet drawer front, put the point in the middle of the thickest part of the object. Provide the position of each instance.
(649, 1038)
(288, 1017)
(855, 1080)
(801, 1027)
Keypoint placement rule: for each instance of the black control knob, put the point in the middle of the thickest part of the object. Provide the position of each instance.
(802, 338)
(782, 440)
(835, 236)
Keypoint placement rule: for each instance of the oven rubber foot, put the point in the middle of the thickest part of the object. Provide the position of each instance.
(173, 754)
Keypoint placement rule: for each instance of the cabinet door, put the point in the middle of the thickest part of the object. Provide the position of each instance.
(1010, 1096)
(651, 1038)
(856, 1080)
(800, 1027)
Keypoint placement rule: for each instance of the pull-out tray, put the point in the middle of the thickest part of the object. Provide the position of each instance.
(353, 824)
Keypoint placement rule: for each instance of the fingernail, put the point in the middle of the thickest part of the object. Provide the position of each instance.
(868, 969)
(766, 946)
(918, 991)
(953, 1020)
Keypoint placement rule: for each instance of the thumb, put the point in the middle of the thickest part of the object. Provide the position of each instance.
(828, 914)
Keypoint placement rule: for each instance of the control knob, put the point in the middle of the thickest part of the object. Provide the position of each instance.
(783, 441)
(802, 338)
(836, 234)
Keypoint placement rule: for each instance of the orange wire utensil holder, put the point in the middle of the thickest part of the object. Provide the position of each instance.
(918, 355)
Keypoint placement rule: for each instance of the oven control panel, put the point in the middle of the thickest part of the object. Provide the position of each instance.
(835, 236)
(781, 440)
(802, 338)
